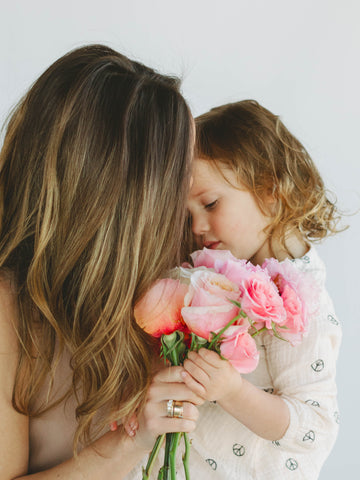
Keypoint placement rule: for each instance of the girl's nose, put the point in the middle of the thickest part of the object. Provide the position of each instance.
(199, 224)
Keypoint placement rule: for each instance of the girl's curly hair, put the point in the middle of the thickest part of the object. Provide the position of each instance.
(268, 159)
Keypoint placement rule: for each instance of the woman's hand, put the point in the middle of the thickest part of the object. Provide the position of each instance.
(211, 377)
(152, 421)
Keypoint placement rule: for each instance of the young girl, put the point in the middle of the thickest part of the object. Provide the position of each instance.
(94, 176)
(257, 193)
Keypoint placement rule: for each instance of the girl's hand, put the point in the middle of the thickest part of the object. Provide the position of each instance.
(209, 376)
(153, 420)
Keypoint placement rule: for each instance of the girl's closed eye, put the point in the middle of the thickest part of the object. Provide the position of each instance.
(211, 205)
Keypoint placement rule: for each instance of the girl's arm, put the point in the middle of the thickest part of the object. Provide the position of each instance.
(303, 411)
(113, 455)
(217, 380)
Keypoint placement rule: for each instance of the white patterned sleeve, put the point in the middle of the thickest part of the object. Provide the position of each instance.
(304, 376)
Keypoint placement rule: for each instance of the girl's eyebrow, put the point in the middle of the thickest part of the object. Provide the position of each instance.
(204, 190)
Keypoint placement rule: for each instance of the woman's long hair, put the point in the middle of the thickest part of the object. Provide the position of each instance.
(94, 175)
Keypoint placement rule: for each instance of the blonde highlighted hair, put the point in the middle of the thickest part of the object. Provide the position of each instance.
(269, 160)
(94, 174)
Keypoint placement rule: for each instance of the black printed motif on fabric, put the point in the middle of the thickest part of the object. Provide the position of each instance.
(291, 464)
(309, 436)
(238, 450)
(333, 320)
(212, 463)
(304, 259)
(268, 390)
(318, 365)
(313, 403)
(276, 443)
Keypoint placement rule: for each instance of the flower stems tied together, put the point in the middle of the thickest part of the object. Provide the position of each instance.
(173, 349)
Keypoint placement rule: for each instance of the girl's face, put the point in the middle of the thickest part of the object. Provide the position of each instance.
(225, 217)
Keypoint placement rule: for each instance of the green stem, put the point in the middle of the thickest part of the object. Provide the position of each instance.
(258, 331)
(186, 456)
(175, 438)
(152, 457)
(217, 336)
(166, 467)
(174, 352)
(174, 357)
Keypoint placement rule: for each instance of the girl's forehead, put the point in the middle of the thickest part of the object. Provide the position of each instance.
(207, 177)
(204, 172)
(212, 172)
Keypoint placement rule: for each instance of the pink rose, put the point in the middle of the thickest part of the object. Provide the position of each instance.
(210, 288)
(298, 291)
(159, 311)
(224, 262)
(240, 349)
(296, 322)
(207, 257)
(237, 270)
(207, 303)
(302, 283)
(261, 301)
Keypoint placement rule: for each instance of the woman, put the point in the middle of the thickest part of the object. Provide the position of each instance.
(95, 170)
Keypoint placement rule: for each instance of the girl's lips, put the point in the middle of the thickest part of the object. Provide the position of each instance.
(211, 245)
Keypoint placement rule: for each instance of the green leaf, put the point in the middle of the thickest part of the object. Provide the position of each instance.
(197, 342)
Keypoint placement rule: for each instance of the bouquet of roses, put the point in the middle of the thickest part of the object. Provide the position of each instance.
(221, 303)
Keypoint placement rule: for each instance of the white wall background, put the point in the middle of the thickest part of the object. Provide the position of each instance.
(299, 58)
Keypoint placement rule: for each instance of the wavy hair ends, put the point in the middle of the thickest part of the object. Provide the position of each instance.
(94, 176)
(268, 159)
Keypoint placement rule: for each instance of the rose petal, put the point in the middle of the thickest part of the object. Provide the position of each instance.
(159, 311)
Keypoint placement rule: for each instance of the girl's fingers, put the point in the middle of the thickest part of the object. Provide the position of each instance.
(212, 358)
(196, 371)
(205, 359)
(194, 385)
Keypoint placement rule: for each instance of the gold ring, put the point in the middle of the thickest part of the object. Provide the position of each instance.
(178, 409)
(170, 408)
